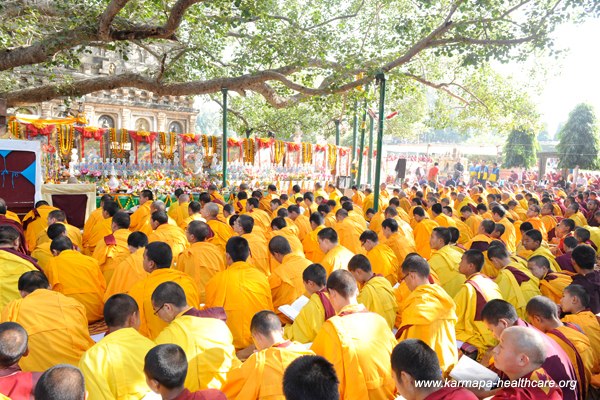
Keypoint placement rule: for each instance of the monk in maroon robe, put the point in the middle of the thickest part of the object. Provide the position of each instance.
(15, 383)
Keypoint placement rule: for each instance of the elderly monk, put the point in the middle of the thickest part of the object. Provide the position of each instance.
(429, 313)
(113, 248)
(499, 315)
(543, 314)
(376, 292)
(15, 383)
(336, 255)
(259, 252)
(241, 289)
(349, 232)
(157, 262)
(262, 372)
(59, 216)
(131, 269)
(400, 243)
(516, 283)
(141, 216)
(381, 257)
(477, 290)
(14, 264)
(520, 355)
(35, 221)
(94, 219)
(202, 260)
(207, 342)
(318, 309)
(422, 231)
(286, 279)
(77, 276)
(102, 228)
(222, 231)
(310, 244)
(114, 367)
(357, 342)
(552, 283)
(444, 261)
(56, 322)
(167, 233)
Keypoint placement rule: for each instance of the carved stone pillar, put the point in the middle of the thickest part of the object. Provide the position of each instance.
(126, 121)
(161, 122)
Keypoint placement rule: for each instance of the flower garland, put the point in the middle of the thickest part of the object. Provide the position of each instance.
(168, 151)
(249, 151)
(15, 128)
(66, 140)
(214, 144)
(293, 146)
(278, 151)
(119, 143)
(307, 153)
(332, 158)
(320, 148)
(264, 143)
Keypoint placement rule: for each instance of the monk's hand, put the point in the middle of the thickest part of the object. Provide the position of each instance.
(487, 356)
(245, 353)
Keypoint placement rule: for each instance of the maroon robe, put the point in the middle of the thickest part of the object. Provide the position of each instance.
(450, 393)
(206, 394)
(530, 392)
(591, 284)
(22, 242)
(17, 384)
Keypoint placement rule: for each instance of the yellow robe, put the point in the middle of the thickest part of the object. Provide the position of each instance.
(208, 346)
(151, 325)
(140, 217)
(186, 221)
(261, 375)
(517, 294)
(292, 239)
(308, 322)
(358, 344)
(12, 267)
(180, 213)
(588, 322)
(201, 261)
(375, 223)
(57, 328)
(401, 245)
(243, 291)
(261, 219)
(94, 219)
(444, 262)
(469, 330)
(538, 224)
(79, 277)
(265, 202)
(358, 198)
(310, 244)
(222, 233)
(286, 281)
(547, 254)
(422, 233)
(37, 224)
(303, 224)
(110, 255)
(430, 315)
(579, 219)
(73, 233)
(129, 272)
(13, 216)
(96, 234)
(445, 221)
(259, 252)
(42, 254)
(384, 262)
(473, 223)
(171, 235)
(553, 285)
(549, 222)
(348, 234)
(336, 258)
(510, 235)
(114, 367)
(377, 296)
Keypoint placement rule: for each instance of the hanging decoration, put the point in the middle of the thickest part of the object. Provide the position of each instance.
(140, 136)
(306, 153)
(332, 158)
(249, 151)
(189, 138)
(90, 132)
(320, 148)
(66, 141)
(343, 152)
(117, 142)
(264, 143)
(279, 151)
(15, 129)
(39, 128)
(293, 146)
(167, 145)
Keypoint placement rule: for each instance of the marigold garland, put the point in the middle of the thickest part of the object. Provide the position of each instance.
(66, 140)
(307, 155)
(119, 146)
(332, 157)
(249, 151)
(168, 151)
(279, 151)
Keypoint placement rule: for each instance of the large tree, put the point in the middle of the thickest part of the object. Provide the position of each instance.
(578, 139)
(520, 149)
(285, 51)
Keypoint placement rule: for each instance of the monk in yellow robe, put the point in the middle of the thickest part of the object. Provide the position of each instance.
(207, 342)
(336, 255)
(259, 253)
(516, 283)
(157, 262)
(307, 324)
(548, 218)
(358, 197)
(471, 219)
(95, 218)
(57, 325)
(167, 233)
(286, 279)
(510, 235)
(241, 289)
(131, 269)
(533, 217)
(477, 290)
(542, 313)
(262, 219)
(202, 259)
(59, 216)
(194, 209)
(576, 215)
(77, 276)
(35, 221)
(310, 244)
(123, 377)
(174, 205)
(309, 204)
(357, 343)
(261, 375)
(301, 221)
(141, 215)
(552, 284)
(13, 264)
(348, 232)
(42, 253)
(381, 256)
(444, 261)
(222, 231)
(179, 210)
(429, 314)
(532, 241)
(113, 249)
(422, 231)
(442, 219)
(376, 292)
(215, 196)
(101, 229)
(280, 227)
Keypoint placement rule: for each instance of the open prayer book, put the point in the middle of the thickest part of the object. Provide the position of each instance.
(292, 310)
(470, 370)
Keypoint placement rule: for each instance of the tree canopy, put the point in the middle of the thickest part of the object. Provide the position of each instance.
(520, 149)
(578, 139)
(284, 51)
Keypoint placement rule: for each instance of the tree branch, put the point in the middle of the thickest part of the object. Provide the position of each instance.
(107, 18)
(444, 87)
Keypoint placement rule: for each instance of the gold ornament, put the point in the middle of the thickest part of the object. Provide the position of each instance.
(66, 140)
(168, 150)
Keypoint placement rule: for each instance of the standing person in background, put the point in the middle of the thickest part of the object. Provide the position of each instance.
(432, 175)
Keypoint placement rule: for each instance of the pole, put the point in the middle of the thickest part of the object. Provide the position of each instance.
(370, 160)
(354, 134)
(337, 132)
(363, 128)
(381, 80)
(224, 91)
